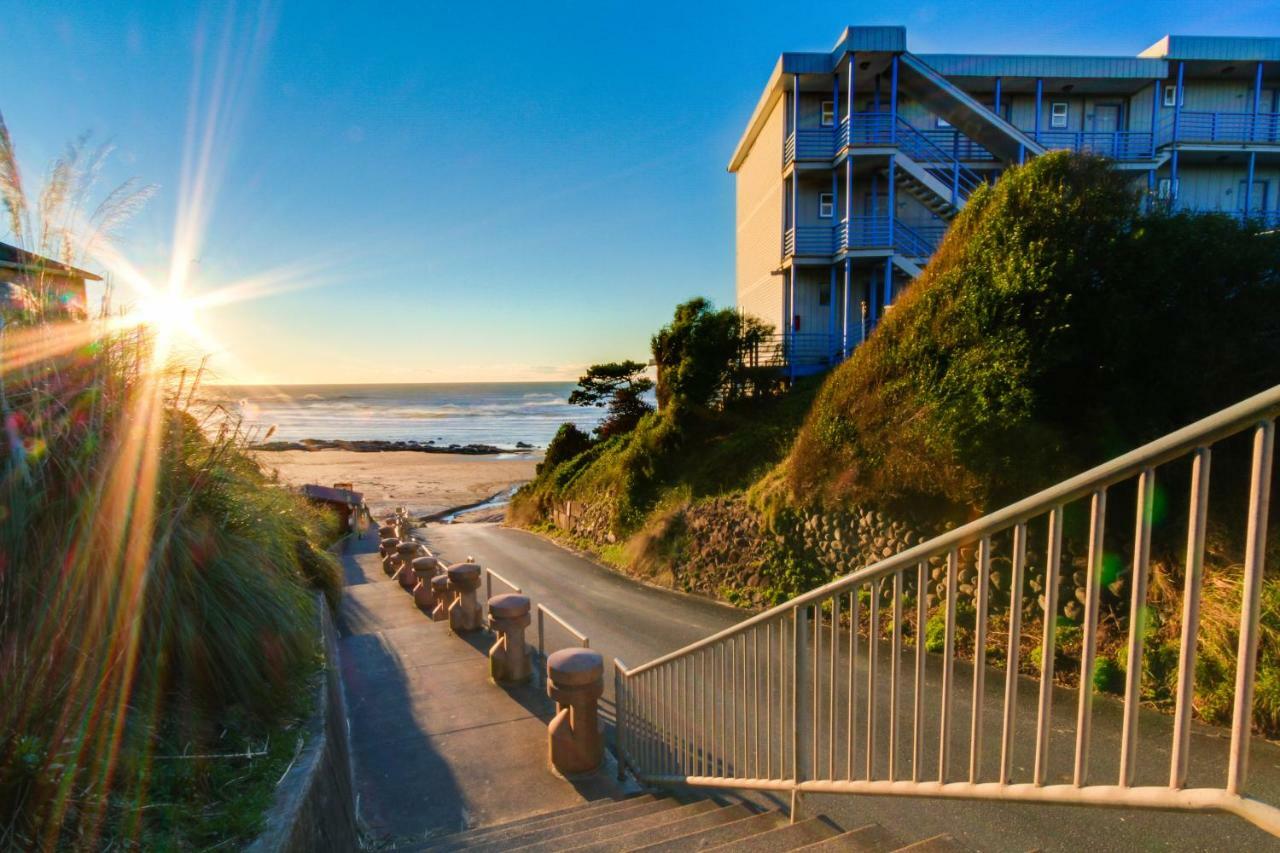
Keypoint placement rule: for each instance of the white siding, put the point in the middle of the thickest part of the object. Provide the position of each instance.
(759, 224)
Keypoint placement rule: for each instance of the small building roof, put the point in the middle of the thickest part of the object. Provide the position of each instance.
(11, 257)
(329, 494)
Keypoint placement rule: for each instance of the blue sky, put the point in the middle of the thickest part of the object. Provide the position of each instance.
(464, 191)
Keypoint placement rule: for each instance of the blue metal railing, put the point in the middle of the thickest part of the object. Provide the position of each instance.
(1197, 126)
(804, 352)
(809, 240)
(810, 143)
(917, 241)
(869, 232)
(1116, 144)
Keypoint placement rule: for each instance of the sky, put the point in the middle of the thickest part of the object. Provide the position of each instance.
(453, 191)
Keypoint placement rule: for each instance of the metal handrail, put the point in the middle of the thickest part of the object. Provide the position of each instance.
(489, 575)
(679, 725)
(574, 632)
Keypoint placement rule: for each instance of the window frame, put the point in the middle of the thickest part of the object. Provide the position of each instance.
(1164, 189)
(827, 114)
(829, 204)
(1172, 97)
(1054, 116)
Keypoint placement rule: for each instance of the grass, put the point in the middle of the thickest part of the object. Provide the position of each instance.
(155, 602)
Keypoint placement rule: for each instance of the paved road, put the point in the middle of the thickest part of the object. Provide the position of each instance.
(636, 623)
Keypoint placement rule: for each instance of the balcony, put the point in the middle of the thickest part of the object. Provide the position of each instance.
(863, 233)
(803, 353)
(1212, 128)
(1115, 144)
(810, 143)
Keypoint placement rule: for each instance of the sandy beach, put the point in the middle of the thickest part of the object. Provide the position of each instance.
(425, 483)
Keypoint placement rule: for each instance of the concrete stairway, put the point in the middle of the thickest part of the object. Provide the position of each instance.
(661, 823)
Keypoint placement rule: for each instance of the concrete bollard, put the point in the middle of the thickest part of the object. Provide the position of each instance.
(407, 551)
(576, 684)
(509, 656)
(386, 531)
(465, 613)
(424, 569)
(440, 591)
(390, 560)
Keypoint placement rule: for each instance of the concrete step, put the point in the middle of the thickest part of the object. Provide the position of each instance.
(944, 843)
(521, 826)
(674, 829)
(705, 839)
(570, 824)
(790, 837)
(620, 827)
(872, 838)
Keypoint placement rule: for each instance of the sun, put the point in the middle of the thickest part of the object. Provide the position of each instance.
(168, 312)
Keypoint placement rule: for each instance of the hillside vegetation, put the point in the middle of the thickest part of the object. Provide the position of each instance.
(1059, 325)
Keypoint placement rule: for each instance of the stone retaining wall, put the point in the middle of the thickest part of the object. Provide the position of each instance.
(726, 551)
(314, 806)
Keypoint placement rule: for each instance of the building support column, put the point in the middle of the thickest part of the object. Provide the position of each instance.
(892, 209)
(893, 103)
(1155, 115)
(853, 71)
(791, 322)
(844, 337)
(831, 324)
(1039, 107)
(887, 299)
(1177, 121)
(996, 106)
(1248, 186)
(1254, 135)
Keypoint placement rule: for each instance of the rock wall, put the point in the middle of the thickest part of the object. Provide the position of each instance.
(724, 549)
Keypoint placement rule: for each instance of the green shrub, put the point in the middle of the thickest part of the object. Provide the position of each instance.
(1039, 340)
(700, 355)
(1108, 676)
(935, 632)
(568, 442)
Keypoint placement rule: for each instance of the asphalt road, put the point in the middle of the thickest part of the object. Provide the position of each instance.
(635, 623)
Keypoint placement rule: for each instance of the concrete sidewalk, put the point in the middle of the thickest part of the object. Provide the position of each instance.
(437, 746)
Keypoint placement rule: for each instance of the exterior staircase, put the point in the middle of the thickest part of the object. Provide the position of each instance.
(654, 823)
(915, 181)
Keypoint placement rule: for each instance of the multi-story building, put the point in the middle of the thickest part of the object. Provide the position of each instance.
(854, 161)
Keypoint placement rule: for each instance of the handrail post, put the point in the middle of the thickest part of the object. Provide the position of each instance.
(801, 696)
(1251, 603)
(620, 720)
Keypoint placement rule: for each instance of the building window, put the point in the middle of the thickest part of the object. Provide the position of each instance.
(828, 113)
(826, 205)
(1171, 95)
(1058, 114)
(1164, 189)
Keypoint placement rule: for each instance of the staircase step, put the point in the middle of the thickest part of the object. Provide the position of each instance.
(623, 827)
(571, 824)
(872, 838)
(674, 829)
(790, 837)
(705, 839)
(944, 843)
(520, 826)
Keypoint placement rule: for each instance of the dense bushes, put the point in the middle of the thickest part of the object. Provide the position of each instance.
(155, 600)
(1057, 326)
(701, 356)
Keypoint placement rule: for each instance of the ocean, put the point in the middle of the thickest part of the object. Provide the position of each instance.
(500, 413)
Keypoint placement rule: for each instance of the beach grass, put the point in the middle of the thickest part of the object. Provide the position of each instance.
(158, 630)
